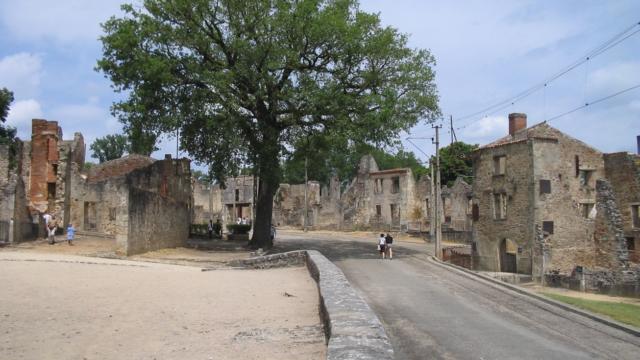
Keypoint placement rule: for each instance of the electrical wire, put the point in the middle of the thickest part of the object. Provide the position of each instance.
(594, 102)
(607, 45)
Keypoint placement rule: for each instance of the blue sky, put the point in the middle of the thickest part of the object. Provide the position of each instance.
(486, 51)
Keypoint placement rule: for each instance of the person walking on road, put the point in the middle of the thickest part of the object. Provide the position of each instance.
(381, 245)
(47, 218)
(210, 228)
(388, 245)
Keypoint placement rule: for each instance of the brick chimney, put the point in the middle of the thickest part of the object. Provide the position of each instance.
(517, 121)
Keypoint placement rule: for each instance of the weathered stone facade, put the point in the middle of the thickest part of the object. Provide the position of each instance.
(623, 172)
(541, 205)
(16, 223)
(144, 204)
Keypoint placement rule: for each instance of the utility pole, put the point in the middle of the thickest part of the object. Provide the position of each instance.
(431, 209)
(437, 197)
(454, 138)
(306, 186)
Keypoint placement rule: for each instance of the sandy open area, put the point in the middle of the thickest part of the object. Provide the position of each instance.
(59, 306)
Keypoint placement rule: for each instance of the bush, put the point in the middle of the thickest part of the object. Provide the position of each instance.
(238, 229)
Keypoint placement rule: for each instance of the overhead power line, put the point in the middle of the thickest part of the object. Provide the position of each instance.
(594, 102)
(605, 46)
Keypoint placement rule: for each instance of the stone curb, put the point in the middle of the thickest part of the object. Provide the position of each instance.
(615, 324)
(352, 329)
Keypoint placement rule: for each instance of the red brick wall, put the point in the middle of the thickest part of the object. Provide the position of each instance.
(44, 153)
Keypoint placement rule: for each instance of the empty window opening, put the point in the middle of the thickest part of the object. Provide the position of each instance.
(499, 165)
(577, 162)
(237, 194)
(475, 212)
(378, 210)
(585, 177)
(635, 216)
(499, 206)
(112, 214)
(378, 189)
(395, 185)
(545, 187)
(51, 191)
(588, 210)
(547, 227)
(54, 167)
(631, 244)
(90, 216)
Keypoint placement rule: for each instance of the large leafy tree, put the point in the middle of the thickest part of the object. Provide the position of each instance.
(243, 80)
(109, 147)
(7, 133)
(456, 161)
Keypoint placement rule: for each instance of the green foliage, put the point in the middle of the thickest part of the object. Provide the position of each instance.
(109, 147)
(238, 229)
(245, 80)
(456, 161)
(88, 165)
(202, 230)
(140, 140)
(328, 157)
(8, 133)
(6, 98)
(625, 313)
(201, 176)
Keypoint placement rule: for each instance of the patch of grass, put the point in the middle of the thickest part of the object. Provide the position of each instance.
(625, 313)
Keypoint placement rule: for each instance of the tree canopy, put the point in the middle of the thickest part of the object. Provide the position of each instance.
(109, 147)
(456, 161)
(242, 80)
(7, 133)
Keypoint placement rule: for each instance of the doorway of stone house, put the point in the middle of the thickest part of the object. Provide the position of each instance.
(508, 251)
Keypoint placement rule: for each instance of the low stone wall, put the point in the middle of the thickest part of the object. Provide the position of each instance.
(352, 329)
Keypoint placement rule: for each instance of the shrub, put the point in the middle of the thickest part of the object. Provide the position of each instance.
(238, 229)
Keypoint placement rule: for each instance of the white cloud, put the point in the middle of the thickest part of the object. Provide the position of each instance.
(485, 130)
(21, 74)
(61, 21)
(614, 77)
(20, 115)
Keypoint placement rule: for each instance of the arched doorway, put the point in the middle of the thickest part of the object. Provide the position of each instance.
(508, 250)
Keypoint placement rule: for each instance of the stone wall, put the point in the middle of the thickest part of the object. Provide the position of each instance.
(517, 186)
(159, 207)
(623, 172)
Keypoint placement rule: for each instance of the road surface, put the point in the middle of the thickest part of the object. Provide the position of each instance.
(431, 312)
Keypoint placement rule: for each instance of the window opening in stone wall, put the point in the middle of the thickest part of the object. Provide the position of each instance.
(395, 185)
(577, 163)
(51, 191)
(499, 206)
(586, 210)
(635, 216)
(55, 169)
(428, 207)
(585, 176)
(112, 214)
(475, 212)
(378, 210)
(631, 244)
(547, 227)
(237, 194)
(378, 189)
(395, 213)
(545, 187)
(499, 165)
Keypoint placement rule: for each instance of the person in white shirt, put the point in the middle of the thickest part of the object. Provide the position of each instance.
(382, 242)
(46, 217)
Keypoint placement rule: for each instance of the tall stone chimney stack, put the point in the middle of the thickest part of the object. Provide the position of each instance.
(517, 121)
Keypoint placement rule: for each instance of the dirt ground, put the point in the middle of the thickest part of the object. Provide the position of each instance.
(55, 305)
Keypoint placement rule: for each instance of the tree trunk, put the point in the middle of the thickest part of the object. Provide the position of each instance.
(264, 208)
(268, 182)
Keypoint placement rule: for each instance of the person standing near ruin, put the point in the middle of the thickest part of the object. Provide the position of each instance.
(388, 241)
(51, 231)
(71, 233)
(381, 245)
(46, 217)
(210, 229)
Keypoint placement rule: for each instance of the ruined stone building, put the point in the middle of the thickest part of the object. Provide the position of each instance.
(145, 204)
(541, 204)
(16, 224)
(374, 200)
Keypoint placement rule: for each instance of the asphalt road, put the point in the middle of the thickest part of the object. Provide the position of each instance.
(431, 312)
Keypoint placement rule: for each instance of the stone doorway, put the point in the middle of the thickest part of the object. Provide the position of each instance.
(508, 250)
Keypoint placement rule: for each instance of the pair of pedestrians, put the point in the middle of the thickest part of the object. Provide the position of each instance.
(385, 246)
